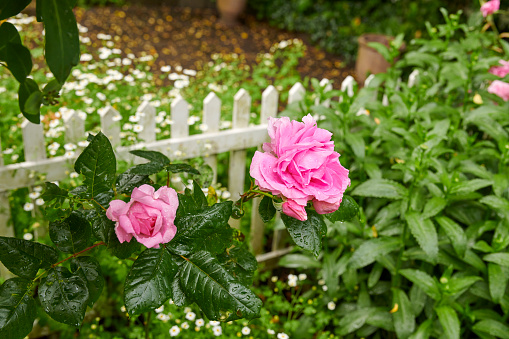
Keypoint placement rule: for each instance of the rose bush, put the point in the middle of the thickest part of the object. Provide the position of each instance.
(300, 165)
(149, 216)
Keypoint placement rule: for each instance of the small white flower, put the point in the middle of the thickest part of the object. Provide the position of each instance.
(292, 283)
(185, 325)
(28, 236)
(74, 175)
(325, 288)
(39, 202)
(303, 276)
(217, 330)
(101, 96)
(246, 330)
(123, 309)
(159, 309)
(214, 323)
(190, 72)
(174, 331)
(273, 279)
(163, 317)
(134, 118)
(282, 335)
(69, 154)
(38, 189)
(200, 322)
(137, 128)
(190, 316)
(331, 305)
(187, 310)
(226, 195)
(83, 143)
(269, 331)
(28, 206)
(34, 195)
(165, 69)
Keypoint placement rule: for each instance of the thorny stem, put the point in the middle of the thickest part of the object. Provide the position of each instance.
(146, 325)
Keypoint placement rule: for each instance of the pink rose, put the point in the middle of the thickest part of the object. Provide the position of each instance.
(299, 164)
(490, 7)
(500, 71)
(149, 216)
(500, 88)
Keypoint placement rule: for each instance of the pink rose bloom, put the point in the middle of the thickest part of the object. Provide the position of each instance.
(299, 164)
(149, 216)
(500, 71)
(490, 7)
(500, 88)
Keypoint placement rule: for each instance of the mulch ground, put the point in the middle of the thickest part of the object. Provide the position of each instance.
(188, 37)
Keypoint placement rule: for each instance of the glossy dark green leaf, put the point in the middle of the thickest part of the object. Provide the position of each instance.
(180, 168)
(206, 175)
(470, 186)
(54, 195)
(219, 240)
(458, 285)
(64, 296)
(449, 321)
(27, 88)
(127, 181)
(52, 87)
(178, 296)
(62, 48)
(404, 318)
(8, 34)
(147, 169)
(122, 250)
(219, 295)
(307, 234)
(498, 278)
(18, 309)
(354, 321)
(72, 234)
(153, 156)
(433, 206)
(97, 163)
(346, 211)
(33, 103)
(11, 8)
(18, 60)
(102, 227)
(89, 270)
(455, 234)
(424, 232)
(244, 258)
(266, 209)
(492, 327)
(424, 330)
(193, 229)
(24, 258)
(381, 188)
(372, 249)
(147, 286)
(424, 281)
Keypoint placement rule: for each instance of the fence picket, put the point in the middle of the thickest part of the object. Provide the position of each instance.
(74, 127)
(33, 141)
(296, 93)
(148, 121)
(110, 124)
(211, 119)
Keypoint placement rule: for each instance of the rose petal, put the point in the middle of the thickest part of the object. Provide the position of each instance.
(294, 210)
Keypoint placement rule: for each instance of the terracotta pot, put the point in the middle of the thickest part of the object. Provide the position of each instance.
(369, 61)
(230, 10)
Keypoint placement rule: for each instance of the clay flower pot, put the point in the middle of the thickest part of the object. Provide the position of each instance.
(230, 10)
(368, 59)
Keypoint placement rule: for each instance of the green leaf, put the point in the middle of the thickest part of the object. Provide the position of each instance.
(54, 195)
(492, 327)
(97, 163)
(424, 281)
(147, 286)
(455, 234)
(72, 234)
(381, 188)
(244, 258)
(33, 103)
(498, 258)
(18, 60)
(354, 320)
(152, 156)
(18, 309)
(102, 227)
(218, 294)
(179, 168)
(498, 277)
(24, 258)
(404, 318)
(372, 249)
(62, 47)
(27, 88)
(11, 8)
(434, 206)
(64, 296)
(449, 320)
(382, 50)
(147, 169)
(127, 181)
(240, 263)
(424, 232)
(89, 270)
(470, 186)
(52, 87)
(424, 330)
(356, 142)
(299, 261)
(122, 250)
(193, 229)
(457, 286)
(499, 204)
(346, 211)
(307, 234)
(266, 209)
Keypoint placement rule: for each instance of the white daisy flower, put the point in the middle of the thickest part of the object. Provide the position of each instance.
(34, 195)
(190, 316)
(200, 322)
(246, 330)
(159, 309)
(39, 202)
(28, 236)
(331, 305)
(174, 331)
(217, 330)
(282, 335)
(28, 206)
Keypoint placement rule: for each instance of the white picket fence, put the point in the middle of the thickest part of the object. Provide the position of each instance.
(180, 146)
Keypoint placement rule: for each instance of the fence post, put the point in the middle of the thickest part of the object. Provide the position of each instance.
(211, 119)
(110, 124)
(148, 121)
(296, 93)
(5, 231)
(74, 127)
(179, 129)
(33, 141)
(237, 168)
(269, 108)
